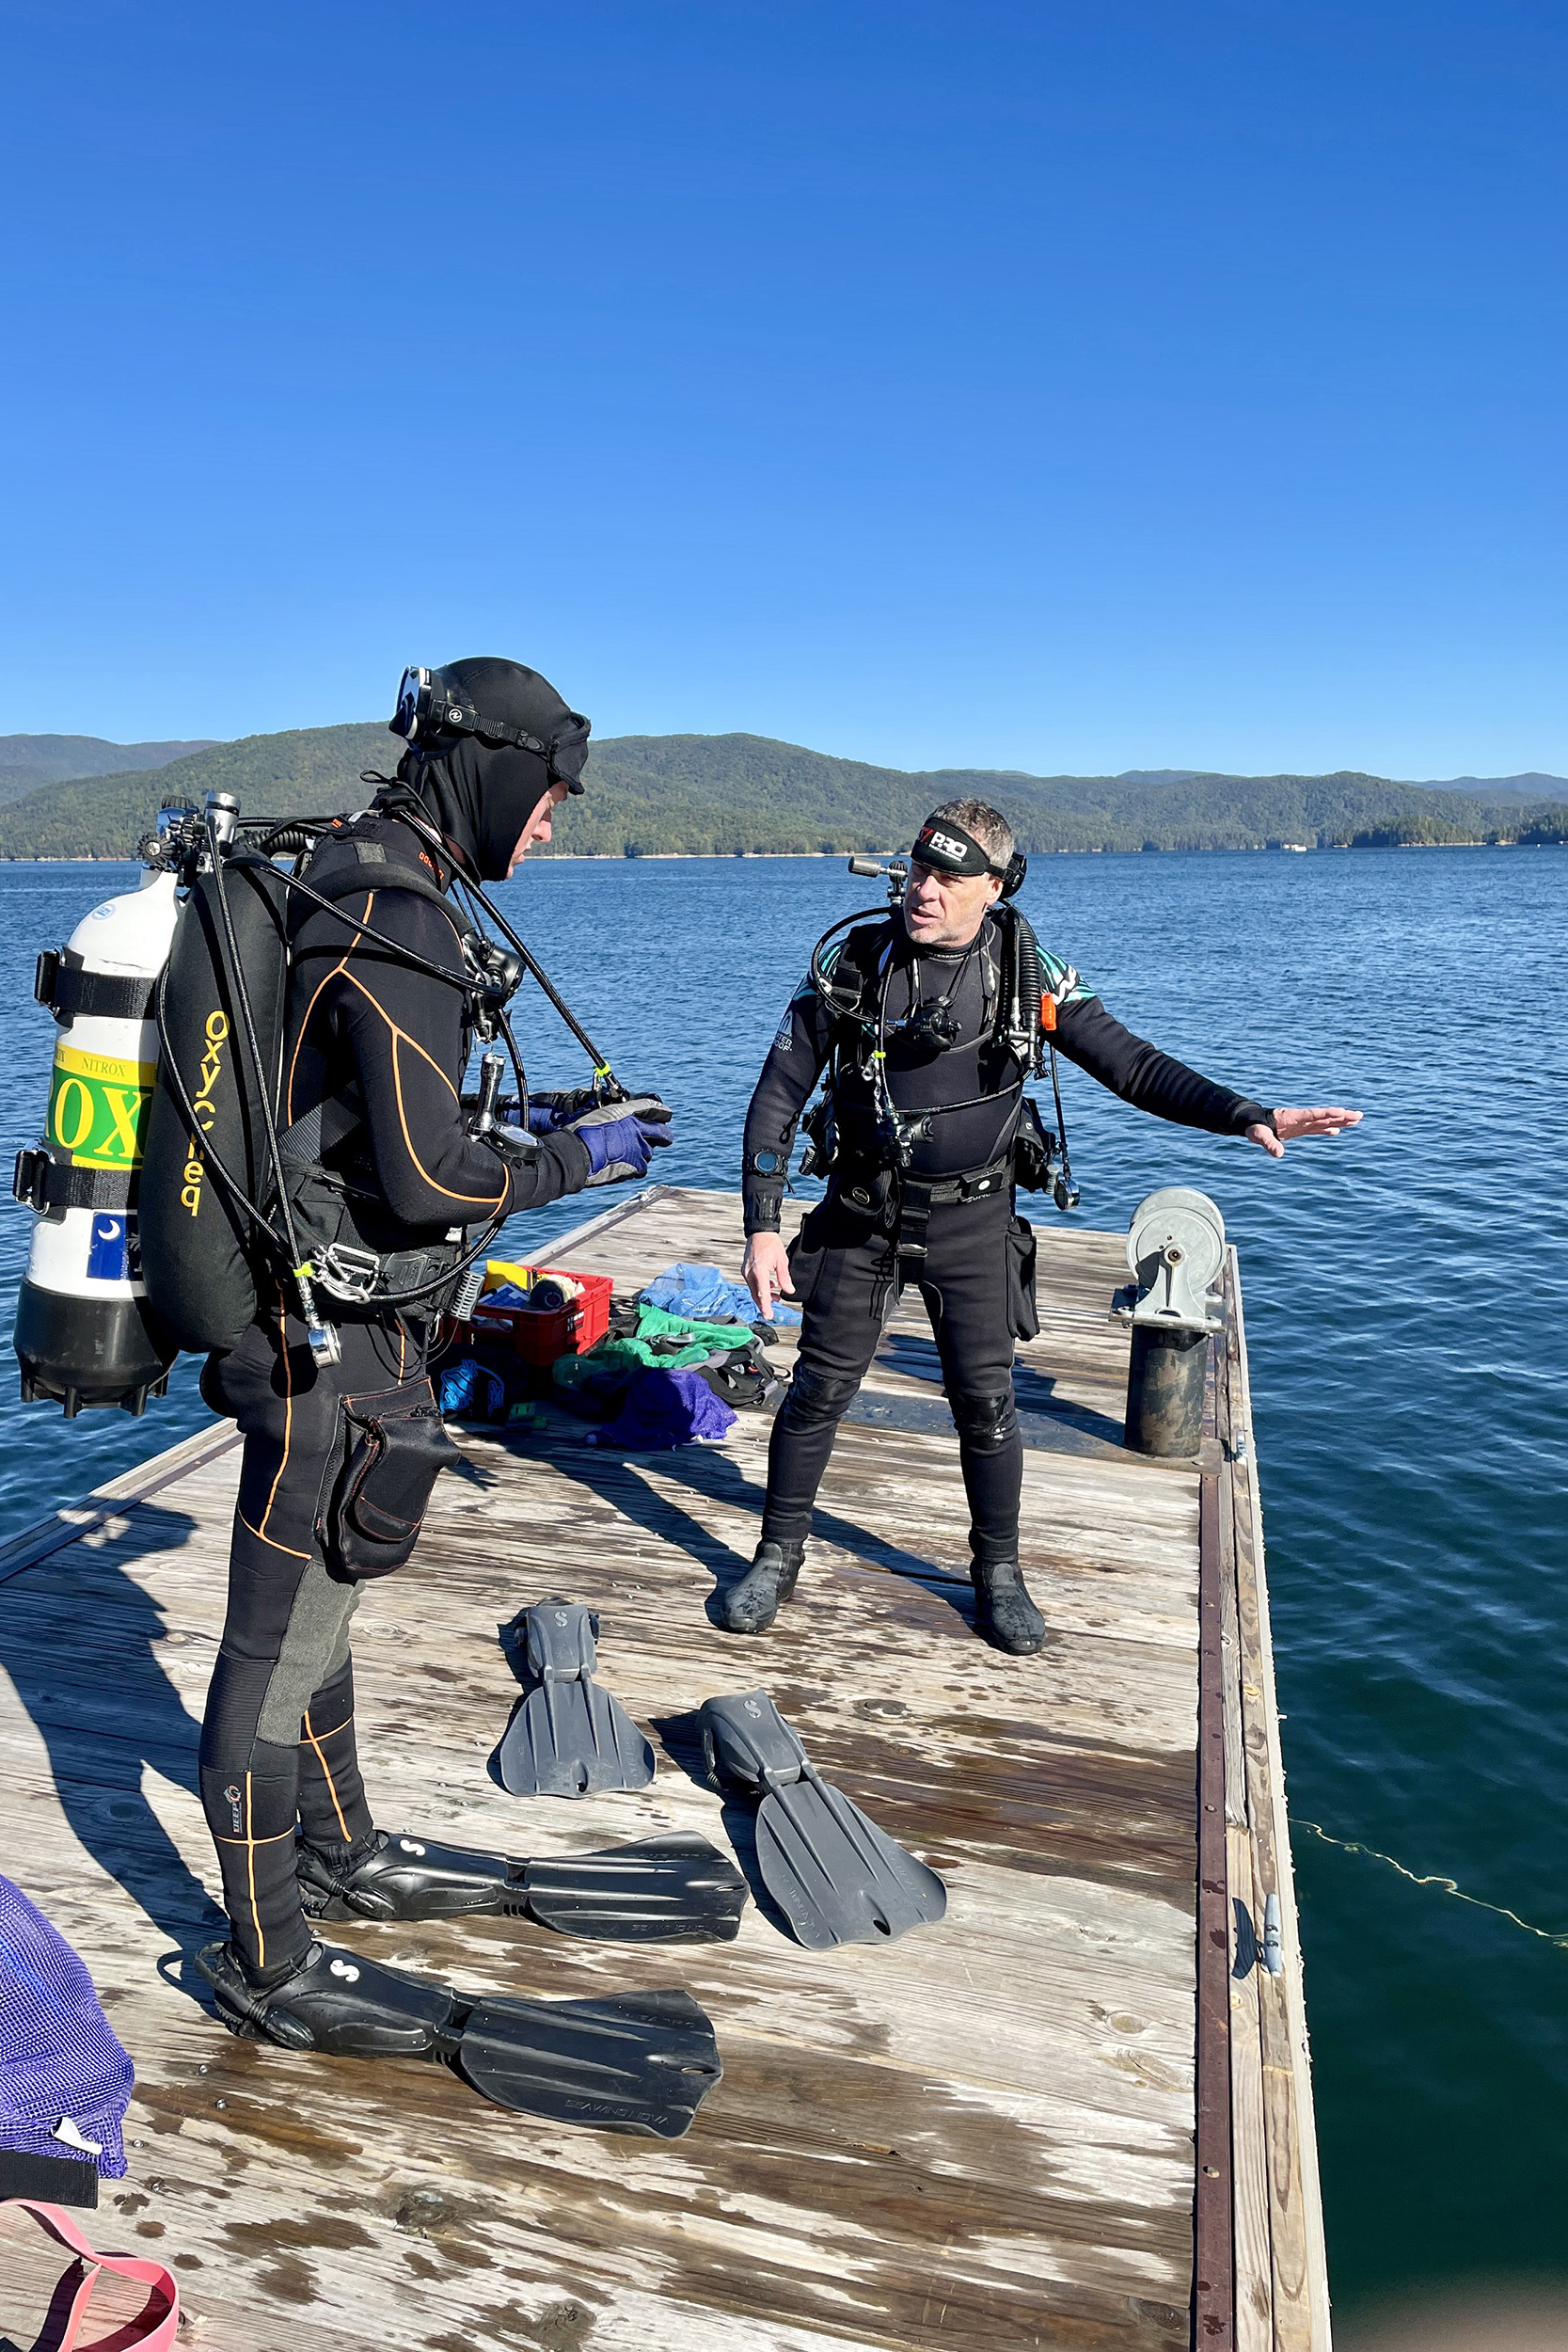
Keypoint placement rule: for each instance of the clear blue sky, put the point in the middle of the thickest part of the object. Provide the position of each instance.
(1063, 387)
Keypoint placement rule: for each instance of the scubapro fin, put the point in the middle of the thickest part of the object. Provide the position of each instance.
(633, 2062)
(569, 1737)
(659, 1890)
(836, 1877)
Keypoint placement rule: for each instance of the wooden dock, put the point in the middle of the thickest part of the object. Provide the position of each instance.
(1078, 2113)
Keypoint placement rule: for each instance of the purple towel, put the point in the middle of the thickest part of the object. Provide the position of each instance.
(663, 1409)
(58, 2061)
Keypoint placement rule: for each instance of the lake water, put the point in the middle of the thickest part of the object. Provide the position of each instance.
(1406, 1290)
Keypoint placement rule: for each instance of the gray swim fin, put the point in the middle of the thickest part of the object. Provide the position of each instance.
(836, 1877)
(569, 1737)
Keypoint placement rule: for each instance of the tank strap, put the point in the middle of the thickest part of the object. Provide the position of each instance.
(42, 1182)
(72, 993)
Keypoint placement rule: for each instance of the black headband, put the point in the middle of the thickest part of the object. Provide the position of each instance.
(946, 849)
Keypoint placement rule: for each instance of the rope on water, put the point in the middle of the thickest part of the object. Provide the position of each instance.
(1348, 1845)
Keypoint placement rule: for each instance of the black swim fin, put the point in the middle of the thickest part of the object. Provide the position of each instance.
(634, 2062)
(568, 1737)
(836, 1877)
(659, 1890)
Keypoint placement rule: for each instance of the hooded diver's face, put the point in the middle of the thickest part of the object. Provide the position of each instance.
(946, 910)
(538, 826)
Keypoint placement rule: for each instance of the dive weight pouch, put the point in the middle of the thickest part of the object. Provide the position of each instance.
(397, 1447)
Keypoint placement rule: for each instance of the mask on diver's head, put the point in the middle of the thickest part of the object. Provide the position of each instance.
(426, 710)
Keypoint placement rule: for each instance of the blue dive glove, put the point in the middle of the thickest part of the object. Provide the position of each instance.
(546, 1113)
(622, 1137)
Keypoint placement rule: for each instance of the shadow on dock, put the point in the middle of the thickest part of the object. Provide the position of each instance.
(107, 1710)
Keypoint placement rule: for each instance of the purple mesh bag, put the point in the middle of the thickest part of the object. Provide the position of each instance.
(59, 2063)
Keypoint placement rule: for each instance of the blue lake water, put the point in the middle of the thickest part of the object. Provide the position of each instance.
(1406, 1290)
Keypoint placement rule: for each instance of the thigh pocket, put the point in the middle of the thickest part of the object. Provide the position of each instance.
(395, 1448)
(1023, 1320)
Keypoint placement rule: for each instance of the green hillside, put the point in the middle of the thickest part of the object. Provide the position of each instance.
(29, 761)
(724, 795)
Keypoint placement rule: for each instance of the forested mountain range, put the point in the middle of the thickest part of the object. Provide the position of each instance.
(27, 761)
(728, 795)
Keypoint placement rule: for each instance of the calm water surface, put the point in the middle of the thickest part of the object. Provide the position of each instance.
(1406, 1297)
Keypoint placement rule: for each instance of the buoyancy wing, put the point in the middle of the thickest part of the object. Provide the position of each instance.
(640, 2062)
(570, 1739)
(836, 1877)
(662, 1890)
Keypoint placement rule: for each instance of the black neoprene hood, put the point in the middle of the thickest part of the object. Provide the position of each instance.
(482, 794)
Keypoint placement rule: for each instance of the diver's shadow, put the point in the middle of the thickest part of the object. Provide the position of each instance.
(681, 1740)
(708, 1473)
(81, 1645)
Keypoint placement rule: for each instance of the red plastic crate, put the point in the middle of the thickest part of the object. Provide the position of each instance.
(539, 1335)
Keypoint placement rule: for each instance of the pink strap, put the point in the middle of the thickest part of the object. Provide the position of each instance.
(160, 2318)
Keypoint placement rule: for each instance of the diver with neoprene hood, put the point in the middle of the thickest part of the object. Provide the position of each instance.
(926, 1025)
(390, 1185)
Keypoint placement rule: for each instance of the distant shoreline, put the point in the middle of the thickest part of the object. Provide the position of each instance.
(757, 857)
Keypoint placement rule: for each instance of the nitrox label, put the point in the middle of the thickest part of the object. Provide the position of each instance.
(98, 1107)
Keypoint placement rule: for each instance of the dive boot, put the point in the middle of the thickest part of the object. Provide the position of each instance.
(662, 1890)
(751, 1604)
(636, 2062)
(1005, 1615)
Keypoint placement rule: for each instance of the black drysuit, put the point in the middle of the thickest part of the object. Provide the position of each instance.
(978, 1257)
(278, 1746)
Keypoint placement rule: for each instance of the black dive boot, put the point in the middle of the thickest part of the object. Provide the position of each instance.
(337, 2002)
(397, 1877)
(752, 1602)
(1005, 1615)
(660, 1890)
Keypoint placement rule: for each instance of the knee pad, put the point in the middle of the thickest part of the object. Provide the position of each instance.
(818, 1399)
(989, 1424)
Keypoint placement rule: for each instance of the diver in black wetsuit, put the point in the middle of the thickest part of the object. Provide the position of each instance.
(912, 1028)
(386, 1044)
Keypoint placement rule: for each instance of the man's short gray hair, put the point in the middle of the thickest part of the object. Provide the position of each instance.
(989, 826)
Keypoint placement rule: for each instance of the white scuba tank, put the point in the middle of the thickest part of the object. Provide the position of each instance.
(85, 1334)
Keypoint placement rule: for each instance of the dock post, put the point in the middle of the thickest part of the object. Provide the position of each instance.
(1165, 1391)
(1175, 1248)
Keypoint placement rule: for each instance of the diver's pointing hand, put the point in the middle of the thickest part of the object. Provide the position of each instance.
(1288, 1124)
(766, 1271)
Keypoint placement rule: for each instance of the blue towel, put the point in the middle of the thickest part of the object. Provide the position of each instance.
(707, 1296)
(59, 2063)
(663, 1409)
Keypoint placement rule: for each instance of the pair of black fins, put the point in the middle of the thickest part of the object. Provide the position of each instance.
(836, 1877)
(630, 2062)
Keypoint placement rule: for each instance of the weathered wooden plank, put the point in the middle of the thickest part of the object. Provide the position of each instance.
(1254, 2260)
(1300, 2310)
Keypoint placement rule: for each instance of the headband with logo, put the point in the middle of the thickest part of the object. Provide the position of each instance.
(948, 849)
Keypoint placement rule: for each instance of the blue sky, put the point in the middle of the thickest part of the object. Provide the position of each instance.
(1068, 387)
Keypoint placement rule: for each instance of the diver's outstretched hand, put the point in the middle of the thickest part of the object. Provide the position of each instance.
(1288, 1124)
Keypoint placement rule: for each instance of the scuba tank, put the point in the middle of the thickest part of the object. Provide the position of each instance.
(85, 1331)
